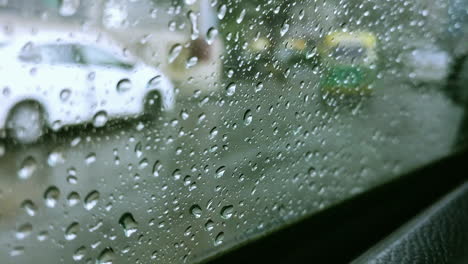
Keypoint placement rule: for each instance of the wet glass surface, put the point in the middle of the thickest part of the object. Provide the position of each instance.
(168, 131)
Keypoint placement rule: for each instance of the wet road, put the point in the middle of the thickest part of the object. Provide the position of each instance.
(269, 157)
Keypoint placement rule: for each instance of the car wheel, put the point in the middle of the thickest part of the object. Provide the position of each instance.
(152, 104)
(26, 122)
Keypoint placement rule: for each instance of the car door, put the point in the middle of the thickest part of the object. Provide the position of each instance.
(64, 90)
(114, 91)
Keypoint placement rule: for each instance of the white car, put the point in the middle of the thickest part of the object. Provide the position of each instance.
(60, 79)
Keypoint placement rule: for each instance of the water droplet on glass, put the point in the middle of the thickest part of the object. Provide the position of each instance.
(156, 167)
(90, 159)
(43, 235)
(284, 29)
(51, 196)
(91, 200)
(24, 231)
(79, 254)
(100, 119)
(222, 11)
(72, 231)
(196, 211)
(241, 16)
(55, 158)
(73, 199)
(259, 87)
(211, 35)
(69, 7)
(107, 256)
(124, 85)
(174, 52)
(128, 223)
(138, 149)
(143, 164)
(219, 239)
(248, 117)
(231, 89)
(176, 174)
(65, 95)
(27, 169)
(184, 115)
(192, 61)
(29, 207)
(220, 172)
(209, 225)
(227, 211)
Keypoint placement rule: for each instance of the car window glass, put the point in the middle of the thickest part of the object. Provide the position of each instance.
(95, 56)
(172, 131)
(48, 53)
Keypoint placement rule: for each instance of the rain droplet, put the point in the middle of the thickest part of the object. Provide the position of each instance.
(196, 211)
(184, 115)
(90, 159)
(211, 35)
(227, 211)
(213, 132)
(128, 223)
(69, 7)
(176, 174)
(209, 225)
(65, 95)
(156, 167)
(79, 254)
(107, 256)
(27, 169)
(24, 231)
(174, 52)
(143, 164)
(73, 199)
(43, 235)
(220, 171)
(219, 239)
(222, 11)
(29, 207)
(284, 29)
(248, 117)
(72, 231)
(192, 61)
(55, 158)
(259, 87)
(231, 89)
(51, 196)
(124, 85)
(91, 200)
(100, 119)
(241, 16)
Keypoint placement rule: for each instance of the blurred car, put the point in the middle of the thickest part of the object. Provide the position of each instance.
(57, 79)
(348, 60)
(427, 64)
